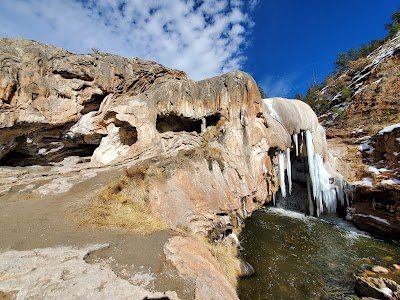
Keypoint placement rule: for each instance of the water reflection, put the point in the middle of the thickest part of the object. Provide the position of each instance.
(298, 257)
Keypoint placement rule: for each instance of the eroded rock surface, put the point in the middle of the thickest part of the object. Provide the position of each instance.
(211, 146)
(51, 272)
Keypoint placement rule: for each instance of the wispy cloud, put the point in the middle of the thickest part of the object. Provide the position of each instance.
(279, 86)
(203, 38)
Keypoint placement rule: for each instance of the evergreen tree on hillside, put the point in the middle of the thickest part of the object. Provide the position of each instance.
(394, 27)
(337, 86)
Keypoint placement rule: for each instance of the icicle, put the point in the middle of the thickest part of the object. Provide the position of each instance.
(289, 170)
(324, 193)
(310, 200)
(281, 166)
(296, 143)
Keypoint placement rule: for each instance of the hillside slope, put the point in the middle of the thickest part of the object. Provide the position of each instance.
(360, 111)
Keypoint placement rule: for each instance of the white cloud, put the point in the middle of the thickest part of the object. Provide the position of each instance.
(279, 86)
(202, 38)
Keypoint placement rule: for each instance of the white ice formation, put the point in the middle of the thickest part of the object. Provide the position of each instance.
(324, 190)
(281, 166)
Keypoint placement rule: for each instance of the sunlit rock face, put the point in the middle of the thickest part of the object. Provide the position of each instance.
(111, 109)
(213, 148)
(45, 90)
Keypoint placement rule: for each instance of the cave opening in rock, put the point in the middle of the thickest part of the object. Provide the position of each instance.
(213, 119)
(94, 103)
(127, 133)
(177, 123)
(21, 157)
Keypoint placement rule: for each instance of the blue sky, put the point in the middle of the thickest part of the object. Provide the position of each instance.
(282, 44)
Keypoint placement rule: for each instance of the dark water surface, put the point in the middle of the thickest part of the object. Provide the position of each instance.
(298, 257)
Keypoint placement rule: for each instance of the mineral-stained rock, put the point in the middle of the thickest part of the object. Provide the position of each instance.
(195, 263)
(62, 273)
(379, 288)
(379, 269)
(44, 90)
(210, 146)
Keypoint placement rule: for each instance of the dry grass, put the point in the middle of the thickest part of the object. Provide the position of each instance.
(226, 255)
(124, 203)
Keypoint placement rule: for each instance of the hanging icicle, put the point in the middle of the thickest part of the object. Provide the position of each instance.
(296, 143)
(289, 170)
(325, 194)
(281, 166)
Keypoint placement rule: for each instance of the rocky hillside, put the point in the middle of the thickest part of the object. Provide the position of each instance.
(360, 109)
(94, 143)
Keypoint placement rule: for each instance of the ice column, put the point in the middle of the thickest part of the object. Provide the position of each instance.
(281, 166)
(289, 170)
(323, 191)
(313, 171)
(296, 143)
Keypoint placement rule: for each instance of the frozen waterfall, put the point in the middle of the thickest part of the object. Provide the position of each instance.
(296, 143)
(281, 166)
(324, 192)
(289, 170)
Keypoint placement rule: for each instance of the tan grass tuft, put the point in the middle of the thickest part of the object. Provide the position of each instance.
(123, 204)
(227, 257)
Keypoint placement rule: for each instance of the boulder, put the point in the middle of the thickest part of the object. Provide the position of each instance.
(379, 288)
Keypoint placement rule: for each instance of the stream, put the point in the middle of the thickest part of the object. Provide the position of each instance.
(299, 257)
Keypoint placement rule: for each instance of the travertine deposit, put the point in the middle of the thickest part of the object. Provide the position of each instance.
(213, 146)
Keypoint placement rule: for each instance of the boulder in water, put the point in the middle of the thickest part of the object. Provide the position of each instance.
(379, 288)
(246, 269)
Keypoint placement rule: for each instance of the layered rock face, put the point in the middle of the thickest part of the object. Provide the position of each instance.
(44, 90)
(212, 148)
(368, 155)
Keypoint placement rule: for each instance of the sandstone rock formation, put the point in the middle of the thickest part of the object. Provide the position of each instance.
(211, 147)
(368, 102)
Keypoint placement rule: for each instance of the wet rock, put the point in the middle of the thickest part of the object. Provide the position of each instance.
(246, 269)
(396, 267)
(379, 269)
(379, 288)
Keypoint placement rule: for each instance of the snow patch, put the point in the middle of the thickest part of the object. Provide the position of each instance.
(357, 130)
(391, 181)
(366, 146)
(271, 110)
(389, 128)
(374, 217)
(377, 171)
(364, 182)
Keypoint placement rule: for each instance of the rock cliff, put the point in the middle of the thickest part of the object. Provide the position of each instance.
(362, 121)
(204, 154)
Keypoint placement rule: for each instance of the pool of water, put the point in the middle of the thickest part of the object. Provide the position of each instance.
(298, 257)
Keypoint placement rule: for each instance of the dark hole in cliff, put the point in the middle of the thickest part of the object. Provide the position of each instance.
(273, 151)
(21, 158)
(213, 119)
(70, 75)
(127, 134)
(94, 103)
(177, 123)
